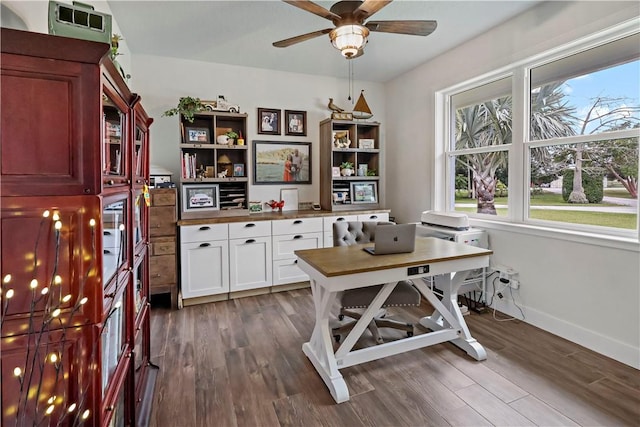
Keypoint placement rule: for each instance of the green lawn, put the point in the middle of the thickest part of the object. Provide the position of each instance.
(609, 219)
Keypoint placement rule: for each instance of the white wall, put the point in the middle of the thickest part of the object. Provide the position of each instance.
(584, 292)
(161, 81)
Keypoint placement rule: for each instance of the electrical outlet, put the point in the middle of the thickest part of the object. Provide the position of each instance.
(515, 284)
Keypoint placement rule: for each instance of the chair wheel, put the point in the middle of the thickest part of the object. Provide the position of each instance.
(340, 316)
(337, 338)
(409, 334)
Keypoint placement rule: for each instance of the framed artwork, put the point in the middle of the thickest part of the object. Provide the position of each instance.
(364, 192)
(290, 197)
(268, 121)
(238, 169)
(295, 122)
(197, 135)
(277, 162)
(200, 197)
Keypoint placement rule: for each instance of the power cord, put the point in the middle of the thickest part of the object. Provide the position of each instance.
(505, 284)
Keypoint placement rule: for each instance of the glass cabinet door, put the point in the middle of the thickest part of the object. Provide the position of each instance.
(114, 339)
(114, 128)
(140, 213)
(140, 283)
(114, 237)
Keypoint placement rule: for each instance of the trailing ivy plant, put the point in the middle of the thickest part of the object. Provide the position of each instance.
(187, 106)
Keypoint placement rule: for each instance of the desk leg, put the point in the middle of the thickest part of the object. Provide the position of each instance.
(447, 314)
(319, 349)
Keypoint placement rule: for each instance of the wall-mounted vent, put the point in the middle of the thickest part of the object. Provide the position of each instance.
(79, 21)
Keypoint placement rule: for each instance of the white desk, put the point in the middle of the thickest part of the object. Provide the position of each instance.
(333, 270)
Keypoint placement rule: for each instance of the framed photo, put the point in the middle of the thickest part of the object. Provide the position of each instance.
(281, 162)
(366, 144)
(364, 192)
(196, 135)
(238, 169)
(268, 121)
(290, 197)
(200, 197)
(335, 171)
(295, 122)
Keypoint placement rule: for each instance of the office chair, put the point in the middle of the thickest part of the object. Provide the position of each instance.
(347, 233)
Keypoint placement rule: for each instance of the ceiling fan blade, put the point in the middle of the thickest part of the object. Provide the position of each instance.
(417, 28)
(369, 7)
(310, 6)
(301, 38)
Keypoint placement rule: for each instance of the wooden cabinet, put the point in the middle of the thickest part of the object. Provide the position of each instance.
(204, 260)
(74, 228)
(357, 143)
(221, 170)
(163, 276)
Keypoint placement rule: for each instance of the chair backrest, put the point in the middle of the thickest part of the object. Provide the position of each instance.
(346, 233)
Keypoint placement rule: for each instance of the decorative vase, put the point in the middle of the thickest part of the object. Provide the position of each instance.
(346, 172)
(223, 139)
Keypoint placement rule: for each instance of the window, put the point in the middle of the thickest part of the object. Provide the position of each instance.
(481, 136)
(573, 126)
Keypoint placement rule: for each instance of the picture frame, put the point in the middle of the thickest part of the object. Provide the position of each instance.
(195, 135)
(335, 171)
(255, 206)
(238, 169)
(340, 139)
(268, 121)
(290, 198)
(366, 144)
(364, 192)
(272, 165)
(200, 197)
(295, 122)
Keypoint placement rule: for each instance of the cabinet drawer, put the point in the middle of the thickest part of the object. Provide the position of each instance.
(203, 233)
(162, 270)
(162, 221)
(374, 217)
(242, 230)
(163, 198)
(163, 246)
(329, 220)
(287, 271)
(284, 246)
(296, 226)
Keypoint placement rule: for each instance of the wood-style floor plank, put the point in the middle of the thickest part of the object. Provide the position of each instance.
(239, 363)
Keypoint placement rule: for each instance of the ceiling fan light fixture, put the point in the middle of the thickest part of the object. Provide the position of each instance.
(349, 39)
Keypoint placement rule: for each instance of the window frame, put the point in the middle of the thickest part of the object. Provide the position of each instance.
(520, 148)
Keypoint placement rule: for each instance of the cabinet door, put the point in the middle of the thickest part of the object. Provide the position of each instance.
(250, 263)
(115, 132)
(204, 268)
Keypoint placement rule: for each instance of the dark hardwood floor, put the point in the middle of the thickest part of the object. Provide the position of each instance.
(240, 363)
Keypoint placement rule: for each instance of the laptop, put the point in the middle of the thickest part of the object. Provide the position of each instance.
(393, 239)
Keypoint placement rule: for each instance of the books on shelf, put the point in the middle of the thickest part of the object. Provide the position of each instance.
(189, 168)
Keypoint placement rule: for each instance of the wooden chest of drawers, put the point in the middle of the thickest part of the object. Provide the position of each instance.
(162, 244)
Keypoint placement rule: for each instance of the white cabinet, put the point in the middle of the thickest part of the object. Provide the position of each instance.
(250, 262)
(328, 226)
(204, 260)
(290, 235)
(378, 216)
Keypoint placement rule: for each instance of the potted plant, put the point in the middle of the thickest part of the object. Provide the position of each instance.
(233, 136)
(187, 106)
(346, 169)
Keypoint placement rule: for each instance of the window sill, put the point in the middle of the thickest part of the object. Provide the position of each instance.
(615, 242)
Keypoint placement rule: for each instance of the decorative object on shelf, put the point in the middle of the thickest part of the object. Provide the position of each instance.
(200, 197)
(240, 140)
(222, 174)
(350, 33)
(220, 104)
(335, 171)
(361, 110)
(366, 144)
(232, 135)
(187, 106)
(197, 135)
(268, 121)
(255, 206)
(296, 122)
(341, 139)
(333, 107)
(346, 169)
(289, 197)
(372, 172)
(225, 165)
(277, 162)
(362, 170)
(80, 21)
(275, 205)
(364, 192)
(342, 116)
(238, 169)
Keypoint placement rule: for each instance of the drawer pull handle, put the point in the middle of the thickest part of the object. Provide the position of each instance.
(251, 241)
(373, 217)
(297, 221)
(340, 219)
(106, 251)
(298, 236)
(250, 225)
(205, 245)
(295, 261)
(106, 233)
(205, 228)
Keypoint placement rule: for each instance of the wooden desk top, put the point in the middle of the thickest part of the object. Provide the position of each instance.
(342, 260)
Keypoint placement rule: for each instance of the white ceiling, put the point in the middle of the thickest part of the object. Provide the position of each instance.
(241, 33)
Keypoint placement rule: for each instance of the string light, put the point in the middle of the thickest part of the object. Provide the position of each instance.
(72, 407)
(56, 216)
(58, 225)
(92, 222)
(9, 294)
(50, 409)
(67, 298)
(44, 291)
(6, 279)
(45, 214)
(33, 284)
(53, 358)
(57, 279)
(56, 312)
(17, 371)
(85, 414)
(84, 300)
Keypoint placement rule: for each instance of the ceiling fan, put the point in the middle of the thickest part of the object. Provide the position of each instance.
(351, 32)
